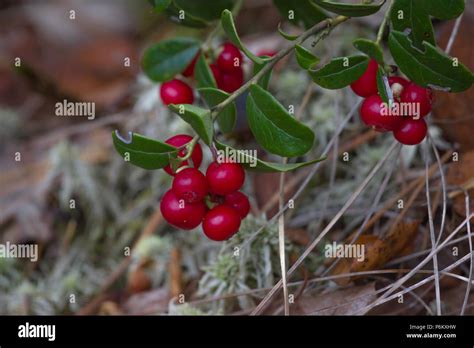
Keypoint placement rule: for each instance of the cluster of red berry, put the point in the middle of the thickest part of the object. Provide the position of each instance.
(408, 127)
(227, 71)
(213, 199)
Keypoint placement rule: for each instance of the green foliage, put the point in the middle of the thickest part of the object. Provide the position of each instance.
(350, 10)
(206, 10)
(300, 13)
(383, 86)
(370, 48)
(226, 118)
(305, 58)
(198, 118)
(162, 61)
(265, 79)
(203, 74)
(340, 72)
(274, 128)
(160, 5)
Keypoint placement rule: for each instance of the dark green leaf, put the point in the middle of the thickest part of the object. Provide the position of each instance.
(305, 58)
(176, 15)
(254, 164)
(443, 9)
(383, 86)
(274, 128)
(229, 28)
(370, 48)
(160, 5)
(340, 72)
(265, 80)
(300, 12)
(431, 68)
(203, 73)
(142, 151)
(227, 117)
(206, 10)
(409, 14)
(198, 118)
(350, 10)
(161, 62)
(285, 35)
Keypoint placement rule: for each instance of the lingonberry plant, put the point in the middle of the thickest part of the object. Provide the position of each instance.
(395, 72)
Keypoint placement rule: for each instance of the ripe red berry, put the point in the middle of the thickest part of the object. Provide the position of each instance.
(371, 113)
(178, 141)
(225, 178)
(181, 214)
(230, 81)
(366, 85)
(412, 132)
(239, 202)
(176, 92)
(419, 97)
(189, 71)
(397, 79)
(230, 58)
(190, 184)
(221, 223)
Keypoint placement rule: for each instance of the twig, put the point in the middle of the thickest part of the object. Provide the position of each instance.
(471, 266)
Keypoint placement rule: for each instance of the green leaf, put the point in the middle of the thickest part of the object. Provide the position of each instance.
(142, 151)
(252, 163)
(161, 62)
(203, 73)
(274, 128)
(370, 48)
(340, 72)
(206, 10)
(383, 86)
(227, 117)
(305, 58)
(443, 9)
(196, 117)
(174, 14)
(431, 68)
(229, 28)
(160, 5)
(350, 10)
(265, 79)
(285, 35)
(300, 12)
(408, 14)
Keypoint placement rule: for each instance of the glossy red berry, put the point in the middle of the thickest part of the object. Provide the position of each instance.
(189, 71)
(225, 178)
(176, 92)
(371, 113)
(239, 202)
(230, 81)
(180, 140)
(397, 79)
(419, 97)
(190, 184)
(230, 58)
(221, 223)
(366, 85)
(412, 132)
(181, 214)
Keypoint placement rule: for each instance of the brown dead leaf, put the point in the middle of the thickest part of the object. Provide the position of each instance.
(461, 173)
(347, 301)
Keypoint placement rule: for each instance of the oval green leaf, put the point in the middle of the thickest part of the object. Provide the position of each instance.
(340, 72)
(370, 48)
(285, 35)
(383, 86)
(274, 128)
(203, 73)
(227, 117)
(160, 5)
(229, 28)
(161, 62)
(198, 118)
(305, 58)
(142, 151)
(350, 10)
(206, 10)
(429, 68)
(174, 14)
(265, 79)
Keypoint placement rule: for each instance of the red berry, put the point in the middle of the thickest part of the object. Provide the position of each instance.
(239, 202)
(178, 141)
(371, 113)
(231, 81)
(181, 214)
(176, 92)
(225, 178)
(190, 184)
(230, 58)
(189, 71)
(412, 132)
(397, 79)
(366, 85)
(419, 97)
(216, 72)
(221, 223)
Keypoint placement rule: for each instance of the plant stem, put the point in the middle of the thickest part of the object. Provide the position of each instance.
(384, 23)
(326, 24)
